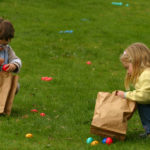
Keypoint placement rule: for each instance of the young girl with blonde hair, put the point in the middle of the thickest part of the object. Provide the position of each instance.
(136, 60)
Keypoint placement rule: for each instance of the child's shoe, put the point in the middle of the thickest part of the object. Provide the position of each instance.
(144, 135)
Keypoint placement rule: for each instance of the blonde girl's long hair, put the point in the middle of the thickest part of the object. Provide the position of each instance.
(138, 54)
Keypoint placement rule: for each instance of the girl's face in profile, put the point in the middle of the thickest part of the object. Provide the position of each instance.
(128, 67)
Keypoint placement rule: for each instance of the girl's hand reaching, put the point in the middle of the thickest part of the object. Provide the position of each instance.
(120, 93)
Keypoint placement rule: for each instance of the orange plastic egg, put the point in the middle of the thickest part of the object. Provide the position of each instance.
(94, 143)
(29, 135)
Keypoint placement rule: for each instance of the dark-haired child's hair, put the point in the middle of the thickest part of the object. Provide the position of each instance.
(6, 30)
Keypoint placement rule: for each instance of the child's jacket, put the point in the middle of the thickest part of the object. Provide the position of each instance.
(9, 56)
(141, 94)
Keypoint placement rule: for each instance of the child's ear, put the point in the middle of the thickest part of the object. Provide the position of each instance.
(9, 40)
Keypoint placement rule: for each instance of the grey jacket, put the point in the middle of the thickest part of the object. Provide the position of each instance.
(13, 59)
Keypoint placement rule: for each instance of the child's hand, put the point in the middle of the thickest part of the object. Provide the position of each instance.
(120, 93)
(11, 67)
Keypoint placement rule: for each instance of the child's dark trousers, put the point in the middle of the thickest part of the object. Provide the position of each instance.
(144, 113)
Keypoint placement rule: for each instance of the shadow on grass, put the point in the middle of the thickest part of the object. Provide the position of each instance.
(17, 112)
(14, 113)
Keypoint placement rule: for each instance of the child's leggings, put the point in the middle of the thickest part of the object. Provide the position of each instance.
(144, 113)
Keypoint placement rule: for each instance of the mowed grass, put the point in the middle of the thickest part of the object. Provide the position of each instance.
(101, 33)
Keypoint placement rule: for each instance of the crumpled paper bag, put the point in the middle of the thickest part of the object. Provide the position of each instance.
(8, 86)
(111, 115)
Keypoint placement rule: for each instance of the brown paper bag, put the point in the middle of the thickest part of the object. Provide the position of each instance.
(111, 115)
(8, 86)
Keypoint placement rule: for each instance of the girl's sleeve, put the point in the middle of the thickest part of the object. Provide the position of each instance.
(13, 59)
(142, 94)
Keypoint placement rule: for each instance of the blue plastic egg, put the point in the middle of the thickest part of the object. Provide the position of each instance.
(104, 140)
(89, 140)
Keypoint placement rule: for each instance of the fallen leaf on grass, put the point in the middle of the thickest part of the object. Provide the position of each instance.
(56, 116)
(48, 127)
(50, 138)
(25, 116)
(48, 118)
(62, 127)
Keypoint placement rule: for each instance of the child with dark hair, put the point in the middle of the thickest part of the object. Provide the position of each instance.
(7, 55)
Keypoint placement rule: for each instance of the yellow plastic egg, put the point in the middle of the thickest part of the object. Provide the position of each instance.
(94, 143)
(29, 135)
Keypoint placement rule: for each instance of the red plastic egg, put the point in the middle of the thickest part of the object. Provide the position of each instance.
(109, 141)
(88, 62)
(42, 78)
(48, 79)
(4, 68)
(34, 110)
(42, 114)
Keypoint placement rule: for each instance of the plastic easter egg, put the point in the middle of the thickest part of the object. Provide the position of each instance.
(94, 143)
(48, 79)
(89, 140)
(117, 3)
(71, 31)
(34, 110)
(42, 78)
(104, 140)
(4, 68)
(127, 5)
(42, 114)
(88, 62)
(68, 31)
(109, 141)
(29, 135)
(45, 78)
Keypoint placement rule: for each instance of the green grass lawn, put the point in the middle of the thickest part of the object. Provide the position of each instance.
(101, 32)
